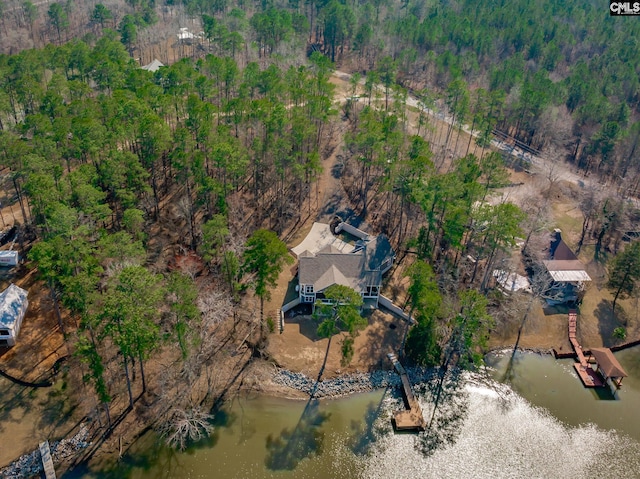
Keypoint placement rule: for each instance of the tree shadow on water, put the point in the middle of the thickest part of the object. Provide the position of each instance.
(366, 432)
(447, 411)
(285, 451)
(515, 359)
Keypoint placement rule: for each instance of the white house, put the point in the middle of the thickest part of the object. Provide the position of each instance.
(13, 307)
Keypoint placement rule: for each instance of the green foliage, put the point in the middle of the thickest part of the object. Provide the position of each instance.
(94, 144)
(88, 354)
(346, 349)
(423, 295)
(182, 296)
(133, 222)
(271, 324)
(619, 333)
(129, 311)
(58, 18)
(424, 300)
(340, 310)
(265, 257)
(422, 345)
(272, 27)
(624, 272)
(30, 11)
(470, 329)
(214, 235)
(338, 22)
(101, 14)
(128, 31)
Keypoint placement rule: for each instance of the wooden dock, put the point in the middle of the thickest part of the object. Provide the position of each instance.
(587, 375)
(47, 462)
(411, 418)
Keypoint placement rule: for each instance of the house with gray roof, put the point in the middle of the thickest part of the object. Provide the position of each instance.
(154, 66)
(360, 267)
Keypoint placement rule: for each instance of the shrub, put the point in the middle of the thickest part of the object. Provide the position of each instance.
(271, 324)
(620, 333)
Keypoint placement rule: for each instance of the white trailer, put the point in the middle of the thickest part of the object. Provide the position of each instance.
(9, 258)
(13, 307)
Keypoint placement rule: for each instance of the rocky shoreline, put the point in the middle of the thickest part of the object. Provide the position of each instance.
(349, 383)
(361, 382)
(30, 465)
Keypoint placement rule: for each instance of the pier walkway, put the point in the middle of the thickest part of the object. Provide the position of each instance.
(47, 462)
(588, 376)
(411, 418)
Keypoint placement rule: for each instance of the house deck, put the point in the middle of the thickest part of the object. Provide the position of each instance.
(588, 376)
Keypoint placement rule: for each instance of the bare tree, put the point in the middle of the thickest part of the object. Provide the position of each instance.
(186, 425)
(589, 205)
(215, 307)
(538, 217)
(553, 129)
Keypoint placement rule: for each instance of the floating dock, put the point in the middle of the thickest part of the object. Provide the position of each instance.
(411, 418)
(587, 375)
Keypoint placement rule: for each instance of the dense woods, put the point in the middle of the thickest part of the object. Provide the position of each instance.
(561, 78)
(102, 153)
(206, 161)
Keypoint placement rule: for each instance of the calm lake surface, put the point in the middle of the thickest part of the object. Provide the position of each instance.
(544, 425)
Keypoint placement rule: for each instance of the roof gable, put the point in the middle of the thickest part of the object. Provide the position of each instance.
(608, 363)
(563, 265)
(561, 251)
(331, 264)
(154, 66)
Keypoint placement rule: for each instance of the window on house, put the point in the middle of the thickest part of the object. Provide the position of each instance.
(371, 291)
(4, 342)
(308, 288)
(4, 332)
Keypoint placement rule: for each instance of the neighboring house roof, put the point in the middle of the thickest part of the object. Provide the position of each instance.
(559, 250)
(332, 264)
(563, 265)
(185, 34)
(154, 66)
(608, 363)
(12, 300)
(566, 276)
(319, 238)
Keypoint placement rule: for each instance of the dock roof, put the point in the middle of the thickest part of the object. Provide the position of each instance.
(608, 363)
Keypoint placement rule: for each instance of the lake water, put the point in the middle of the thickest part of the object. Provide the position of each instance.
(545, 425)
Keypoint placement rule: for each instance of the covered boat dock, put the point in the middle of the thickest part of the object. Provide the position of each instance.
(608, 366)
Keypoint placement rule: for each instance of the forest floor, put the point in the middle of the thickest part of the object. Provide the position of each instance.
(30, 415)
